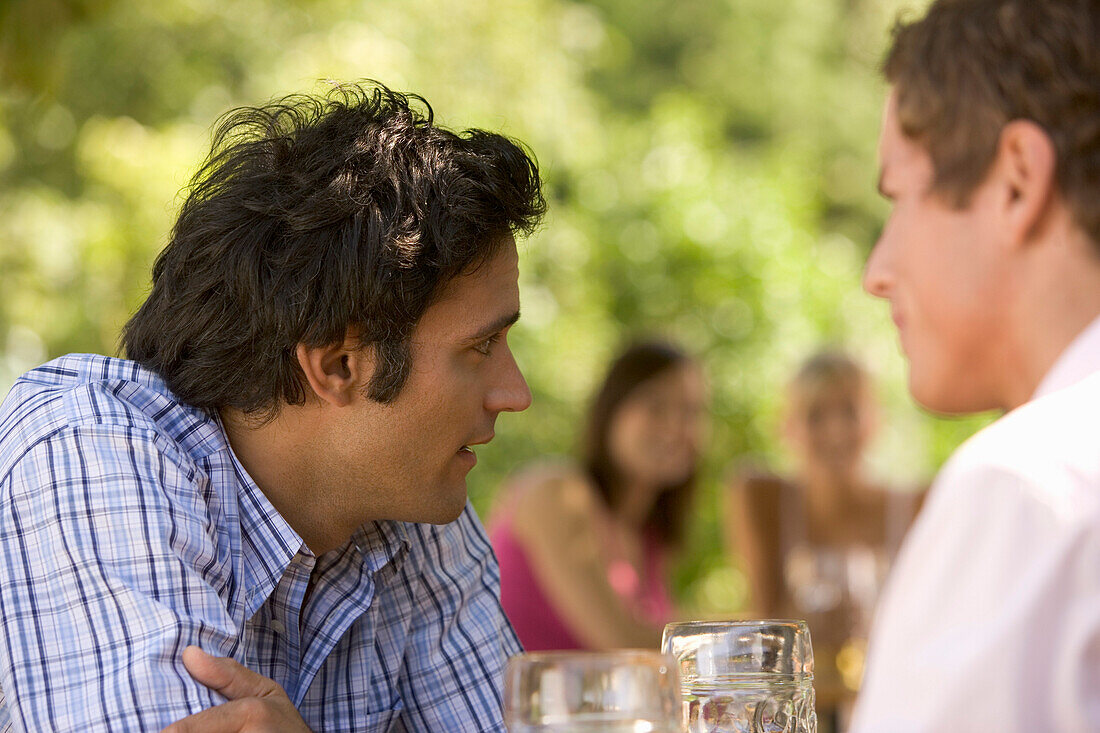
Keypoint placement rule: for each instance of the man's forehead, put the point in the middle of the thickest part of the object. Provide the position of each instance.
(897, 153)
(481, 296)
(889, 130)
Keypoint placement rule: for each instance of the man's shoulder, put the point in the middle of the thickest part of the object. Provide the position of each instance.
(93, 392)
(92, 436)
(1060, 427)
(1047, 446)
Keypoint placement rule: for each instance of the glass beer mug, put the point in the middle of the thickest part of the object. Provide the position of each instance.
(744, 676)
(585, 692)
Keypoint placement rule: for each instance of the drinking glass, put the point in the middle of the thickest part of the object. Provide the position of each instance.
(744, 676)
(630, 691)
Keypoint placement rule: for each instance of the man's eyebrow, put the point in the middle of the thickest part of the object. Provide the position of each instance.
(495, 327)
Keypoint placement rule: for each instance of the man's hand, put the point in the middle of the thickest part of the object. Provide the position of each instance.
(256, 704)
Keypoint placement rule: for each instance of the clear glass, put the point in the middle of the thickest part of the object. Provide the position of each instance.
(629, 691)
(744, 676)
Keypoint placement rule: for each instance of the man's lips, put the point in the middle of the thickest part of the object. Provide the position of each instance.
(899, 324)
(466, 453)
(481, 441)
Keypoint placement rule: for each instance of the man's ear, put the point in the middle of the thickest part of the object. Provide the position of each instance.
(1026, 160)
(338, 371)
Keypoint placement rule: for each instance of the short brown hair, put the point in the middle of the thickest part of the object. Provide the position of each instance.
(968, 67)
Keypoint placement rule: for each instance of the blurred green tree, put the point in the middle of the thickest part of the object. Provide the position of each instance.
(709, 163)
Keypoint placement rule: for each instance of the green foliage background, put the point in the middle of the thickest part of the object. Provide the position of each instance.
(710, 166)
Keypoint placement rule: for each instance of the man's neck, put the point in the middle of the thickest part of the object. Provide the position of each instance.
(1057, 303)
(279, 456)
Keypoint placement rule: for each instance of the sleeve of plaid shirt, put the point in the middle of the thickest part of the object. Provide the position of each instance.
(460, 638)
(108, 572)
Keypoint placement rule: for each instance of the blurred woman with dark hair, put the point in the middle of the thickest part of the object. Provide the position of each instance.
(583, 548)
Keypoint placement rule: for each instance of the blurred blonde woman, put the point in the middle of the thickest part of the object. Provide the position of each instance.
(817, 544)
(583, 548)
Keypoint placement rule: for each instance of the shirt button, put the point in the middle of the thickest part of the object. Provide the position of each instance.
(278, 626)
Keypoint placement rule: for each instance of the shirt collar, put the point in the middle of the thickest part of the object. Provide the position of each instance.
(1080, 359)
(381, 543)
(268, 542)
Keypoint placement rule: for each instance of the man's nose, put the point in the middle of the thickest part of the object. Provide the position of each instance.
(876, 274)
(510, 392)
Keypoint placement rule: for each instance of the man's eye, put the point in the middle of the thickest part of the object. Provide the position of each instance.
(486, 347)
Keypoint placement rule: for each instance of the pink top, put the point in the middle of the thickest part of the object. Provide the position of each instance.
(533, 615)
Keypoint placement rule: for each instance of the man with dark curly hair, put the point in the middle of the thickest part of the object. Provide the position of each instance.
(990, 154)
(259, 518)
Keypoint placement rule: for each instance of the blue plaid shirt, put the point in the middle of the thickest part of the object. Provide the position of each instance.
(129, 530)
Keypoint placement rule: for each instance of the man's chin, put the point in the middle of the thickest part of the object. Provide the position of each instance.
(438, 503)
(947, 397)
(929, 398)
(450, 516)
(452, 500)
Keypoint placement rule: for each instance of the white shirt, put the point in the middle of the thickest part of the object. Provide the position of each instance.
(991, 619)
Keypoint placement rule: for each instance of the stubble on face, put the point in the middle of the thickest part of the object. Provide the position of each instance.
(411, 454)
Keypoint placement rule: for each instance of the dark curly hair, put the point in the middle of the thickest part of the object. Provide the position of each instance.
(313, 215)
(971, 66)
